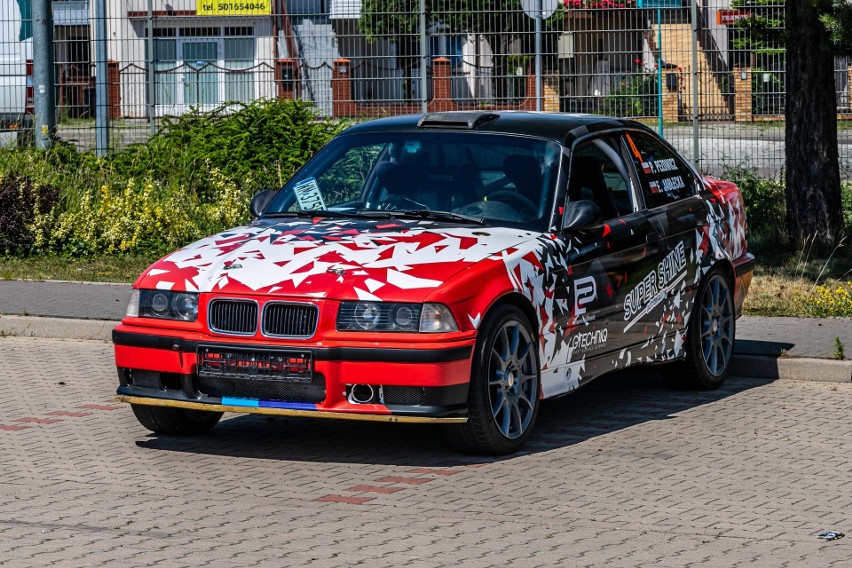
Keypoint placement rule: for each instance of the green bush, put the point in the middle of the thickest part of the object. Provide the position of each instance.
(146, 218)
(26, 211)
(257, 145)
(765, 204)
(636, 97)
(194, 177)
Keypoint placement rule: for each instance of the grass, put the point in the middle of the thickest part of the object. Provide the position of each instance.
(100, 269)
(782, 279)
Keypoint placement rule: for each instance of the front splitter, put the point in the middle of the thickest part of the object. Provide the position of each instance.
(289, 411)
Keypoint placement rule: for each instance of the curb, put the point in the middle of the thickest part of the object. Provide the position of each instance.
(792, 368)
(749, 366)
(56, 328)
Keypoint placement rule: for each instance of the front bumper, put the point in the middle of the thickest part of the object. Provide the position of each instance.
(406, 384)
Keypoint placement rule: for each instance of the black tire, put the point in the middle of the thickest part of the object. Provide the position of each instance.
(710, 337)
(177, 421)
(504, 394)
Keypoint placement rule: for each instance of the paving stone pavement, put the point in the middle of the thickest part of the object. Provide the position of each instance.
(622, 473)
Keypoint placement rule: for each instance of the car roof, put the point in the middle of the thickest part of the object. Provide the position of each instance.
(561, 127)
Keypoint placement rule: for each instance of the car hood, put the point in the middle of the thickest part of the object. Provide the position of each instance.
(390, 260)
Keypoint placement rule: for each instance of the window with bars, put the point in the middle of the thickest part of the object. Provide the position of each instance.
(204, 66)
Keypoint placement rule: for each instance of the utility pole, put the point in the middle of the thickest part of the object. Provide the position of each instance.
(44, 98)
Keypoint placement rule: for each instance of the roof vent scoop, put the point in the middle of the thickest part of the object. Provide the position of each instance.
(465, 120)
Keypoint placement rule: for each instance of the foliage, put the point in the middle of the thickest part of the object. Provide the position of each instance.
(257, 145)
(601, 4)
(838, 22)
(765, 204)
(637, 95)
(828, 301)
(193, 178)
(761, 34)
(767, 93)
(26, 212)
(499, 22)
(145, 218)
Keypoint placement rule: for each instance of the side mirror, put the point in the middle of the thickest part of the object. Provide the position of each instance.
(581, 214)
(260, 201)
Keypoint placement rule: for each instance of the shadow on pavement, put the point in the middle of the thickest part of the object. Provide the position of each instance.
(608, 405)
(762, 348)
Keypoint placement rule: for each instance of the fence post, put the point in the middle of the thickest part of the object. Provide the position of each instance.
(44, 100)
(424, 46)
(742, 94)
(101, 80)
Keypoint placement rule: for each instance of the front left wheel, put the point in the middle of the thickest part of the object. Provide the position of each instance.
(504, 397)
(179, 421)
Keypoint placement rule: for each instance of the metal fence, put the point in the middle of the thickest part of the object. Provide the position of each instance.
(708, 73)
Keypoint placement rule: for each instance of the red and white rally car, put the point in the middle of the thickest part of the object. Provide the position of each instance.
(455, 268)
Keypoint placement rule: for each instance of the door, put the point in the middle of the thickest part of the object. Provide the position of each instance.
(668, 186)
(612, 256)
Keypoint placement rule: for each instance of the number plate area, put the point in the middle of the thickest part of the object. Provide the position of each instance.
(262, 364)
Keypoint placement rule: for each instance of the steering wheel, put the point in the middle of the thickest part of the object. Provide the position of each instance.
(395, 202)
(524, 201)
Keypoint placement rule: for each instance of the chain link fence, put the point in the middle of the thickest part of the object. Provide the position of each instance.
(708, 74)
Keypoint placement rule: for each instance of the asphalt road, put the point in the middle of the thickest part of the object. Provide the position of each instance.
(622, 473)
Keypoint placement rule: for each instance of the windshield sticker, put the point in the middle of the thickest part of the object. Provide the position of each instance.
(308, 195)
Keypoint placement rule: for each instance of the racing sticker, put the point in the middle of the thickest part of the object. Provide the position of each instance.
(308, 195)
(652, 289)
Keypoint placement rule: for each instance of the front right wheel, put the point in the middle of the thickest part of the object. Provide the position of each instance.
(175, 421)
(503, 400)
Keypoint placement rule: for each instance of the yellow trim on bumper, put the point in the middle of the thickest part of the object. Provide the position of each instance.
(288, 411)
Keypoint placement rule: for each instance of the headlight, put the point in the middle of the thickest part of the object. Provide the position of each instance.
(163, 304)
(388, 316)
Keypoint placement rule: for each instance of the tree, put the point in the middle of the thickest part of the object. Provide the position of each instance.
(812, 175)
(500, 22)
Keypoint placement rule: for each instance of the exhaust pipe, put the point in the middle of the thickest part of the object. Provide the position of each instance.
(361, 394)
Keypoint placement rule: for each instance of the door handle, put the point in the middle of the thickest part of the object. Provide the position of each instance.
(651, 237)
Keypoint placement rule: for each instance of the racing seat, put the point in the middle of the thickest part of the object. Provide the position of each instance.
(525, 173)
(587, 183)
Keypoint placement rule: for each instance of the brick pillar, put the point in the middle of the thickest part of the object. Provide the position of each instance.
(849, 88)
(113, 89)
(442, 86)
(341, 88)
(671, 96)
(671, 106)
(742, 94)
(550, 89)
(529, 101)
(285, 75)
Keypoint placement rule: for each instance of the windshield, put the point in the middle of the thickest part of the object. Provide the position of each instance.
(499, 180)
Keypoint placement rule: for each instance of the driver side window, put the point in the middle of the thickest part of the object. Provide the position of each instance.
(598, 177)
